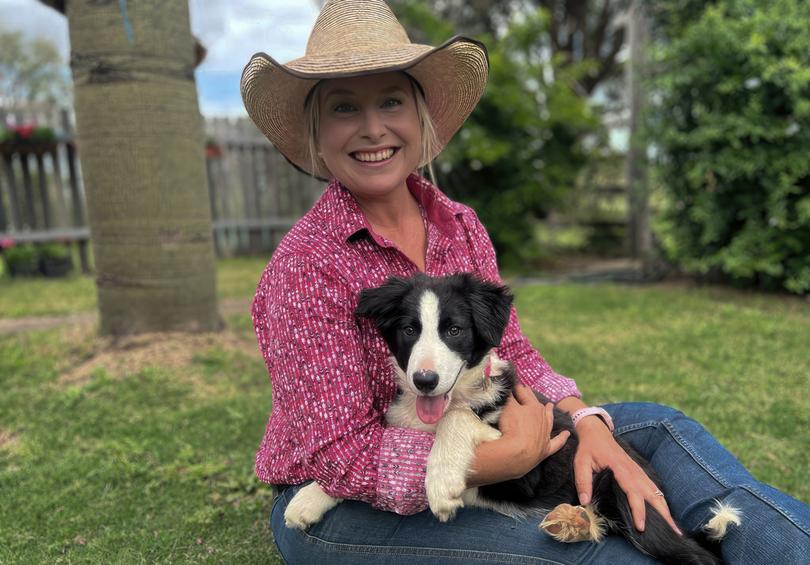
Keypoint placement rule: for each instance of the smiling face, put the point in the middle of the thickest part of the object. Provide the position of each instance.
(369, 135)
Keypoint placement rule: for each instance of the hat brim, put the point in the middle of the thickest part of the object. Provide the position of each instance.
(453, 77)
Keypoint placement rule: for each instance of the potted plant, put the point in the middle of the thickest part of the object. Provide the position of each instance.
(213, 150)
(21, 260)
(26, 137)
(55, 260)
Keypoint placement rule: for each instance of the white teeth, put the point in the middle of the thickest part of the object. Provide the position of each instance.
(375, 156)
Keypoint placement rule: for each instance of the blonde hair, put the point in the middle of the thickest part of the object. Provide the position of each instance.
(429, 140)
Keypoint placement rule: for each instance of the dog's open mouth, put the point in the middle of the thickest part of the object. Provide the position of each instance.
(430, 409)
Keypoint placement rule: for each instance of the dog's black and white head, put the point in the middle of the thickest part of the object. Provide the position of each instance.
(436, 328)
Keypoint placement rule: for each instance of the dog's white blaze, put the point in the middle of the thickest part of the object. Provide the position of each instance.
(429, 351)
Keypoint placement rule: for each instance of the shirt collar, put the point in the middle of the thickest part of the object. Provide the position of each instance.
(439, 209)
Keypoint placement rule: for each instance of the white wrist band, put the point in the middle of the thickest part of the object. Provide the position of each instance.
(593, 411)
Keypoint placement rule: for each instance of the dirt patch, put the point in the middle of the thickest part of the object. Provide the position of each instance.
(36, 323)
(8, 440)
(123, 356)
(227, 307)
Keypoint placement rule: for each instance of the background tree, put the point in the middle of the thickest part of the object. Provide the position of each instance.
(578, 31)
(732, 127)
(141, 142)
(587, 31)
(31, 72)
(525, 144)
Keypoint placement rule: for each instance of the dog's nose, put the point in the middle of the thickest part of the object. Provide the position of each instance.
(425, 380)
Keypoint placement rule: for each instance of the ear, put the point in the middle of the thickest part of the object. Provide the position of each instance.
(382, 303)
(491, 305)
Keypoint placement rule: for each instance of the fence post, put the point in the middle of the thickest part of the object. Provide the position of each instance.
(58, 184)
(43, 191)
(75, 193)
(212, 199)
(272, 189)
(13, 197)
(3, 221)
(28, 189)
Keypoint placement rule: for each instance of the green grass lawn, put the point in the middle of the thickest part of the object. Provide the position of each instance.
(152, 461)
(236, 278)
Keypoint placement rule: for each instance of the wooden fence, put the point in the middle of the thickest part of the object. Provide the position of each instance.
(255, 195)
(41, 192)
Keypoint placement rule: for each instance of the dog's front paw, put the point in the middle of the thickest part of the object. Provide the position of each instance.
(444, 496)
(308, 507)
(445, 509)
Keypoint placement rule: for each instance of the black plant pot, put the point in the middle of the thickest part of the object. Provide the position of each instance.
(56, 267)
(23, 269)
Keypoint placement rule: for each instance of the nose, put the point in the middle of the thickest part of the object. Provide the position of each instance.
(373, 127)
(425, 380)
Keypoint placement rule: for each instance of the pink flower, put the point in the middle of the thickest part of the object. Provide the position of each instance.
(6, 243)
(25, 131)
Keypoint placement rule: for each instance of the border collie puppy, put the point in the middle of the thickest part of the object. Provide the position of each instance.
(441, 333)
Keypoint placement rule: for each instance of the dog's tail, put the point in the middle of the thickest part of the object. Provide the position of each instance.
(723, 515)
(658, 539)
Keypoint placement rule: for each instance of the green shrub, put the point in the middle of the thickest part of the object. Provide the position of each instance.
(53, 251)
(21, 260)
(20, 254)
(733, 132)
(27, 133)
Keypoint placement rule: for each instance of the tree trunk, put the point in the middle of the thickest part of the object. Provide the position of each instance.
(640, 236)
(141, 147)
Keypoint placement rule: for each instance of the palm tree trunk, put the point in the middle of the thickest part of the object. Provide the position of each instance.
(141, 147)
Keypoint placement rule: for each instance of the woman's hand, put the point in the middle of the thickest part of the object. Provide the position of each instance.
(598, 450)
(527, 424)
(525, 440)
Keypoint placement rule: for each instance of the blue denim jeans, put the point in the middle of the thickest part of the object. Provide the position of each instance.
(694, 470)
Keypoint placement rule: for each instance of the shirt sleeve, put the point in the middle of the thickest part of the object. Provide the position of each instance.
(532, 369)
(314, 354)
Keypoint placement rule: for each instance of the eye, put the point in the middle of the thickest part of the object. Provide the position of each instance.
(392, 103)
(408, 330)
(454, 331)
(344, 108)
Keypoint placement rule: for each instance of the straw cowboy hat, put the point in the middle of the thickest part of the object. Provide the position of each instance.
(360, 37)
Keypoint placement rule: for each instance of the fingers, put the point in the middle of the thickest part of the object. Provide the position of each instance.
(548, 418)
(640, 489)
(511, 402)
(524, 394)
(583, 477)
(557, 442)
(630, 477)
(660, 504)
(638, 509)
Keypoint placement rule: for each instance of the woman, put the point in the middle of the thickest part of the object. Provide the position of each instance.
(366, 108)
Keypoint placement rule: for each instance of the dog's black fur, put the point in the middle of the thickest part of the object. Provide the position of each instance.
(484, 309)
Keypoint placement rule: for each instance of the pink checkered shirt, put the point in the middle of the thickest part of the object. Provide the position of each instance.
(331, 375)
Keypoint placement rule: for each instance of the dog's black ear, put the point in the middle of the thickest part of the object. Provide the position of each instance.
(382, 303)
(491, 305)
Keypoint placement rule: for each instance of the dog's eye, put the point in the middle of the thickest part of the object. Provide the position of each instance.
(408, 330)
(454, 331)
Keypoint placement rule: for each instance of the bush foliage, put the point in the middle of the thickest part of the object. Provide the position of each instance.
(732, 127)
(523, 147)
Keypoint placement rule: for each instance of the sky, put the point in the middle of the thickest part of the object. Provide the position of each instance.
(231, 30)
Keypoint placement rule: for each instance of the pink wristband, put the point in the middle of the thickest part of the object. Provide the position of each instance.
(593, 411)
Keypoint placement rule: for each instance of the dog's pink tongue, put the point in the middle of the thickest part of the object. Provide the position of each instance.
(430, 408)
